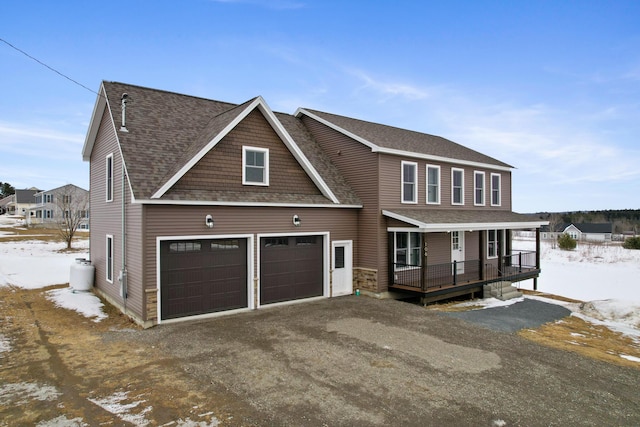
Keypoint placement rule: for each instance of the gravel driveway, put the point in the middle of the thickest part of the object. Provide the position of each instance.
(360, 361)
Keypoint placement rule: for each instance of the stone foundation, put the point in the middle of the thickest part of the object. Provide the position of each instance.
(152, 304)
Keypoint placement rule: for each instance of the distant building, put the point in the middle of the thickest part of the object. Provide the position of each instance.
(584, 232)
(21, 201)
(54, 205)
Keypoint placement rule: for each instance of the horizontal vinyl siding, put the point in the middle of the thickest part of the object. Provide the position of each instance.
(105, 216)
(189, 221)
(359, 166)
(135, 278)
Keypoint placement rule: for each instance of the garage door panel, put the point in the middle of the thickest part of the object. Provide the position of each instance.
(203, 276)
(291, 268)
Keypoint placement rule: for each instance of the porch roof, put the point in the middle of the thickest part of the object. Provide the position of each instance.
(443, 220)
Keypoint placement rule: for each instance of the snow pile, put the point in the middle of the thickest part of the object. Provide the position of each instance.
(84, 303)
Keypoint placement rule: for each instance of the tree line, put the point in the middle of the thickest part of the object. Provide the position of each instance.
(623, 220)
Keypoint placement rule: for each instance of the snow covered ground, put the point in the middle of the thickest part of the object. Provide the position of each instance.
(608, 277)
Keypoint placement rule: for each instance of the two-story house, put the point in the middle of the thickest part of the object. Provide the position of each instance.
(201, 207)
(59, 205)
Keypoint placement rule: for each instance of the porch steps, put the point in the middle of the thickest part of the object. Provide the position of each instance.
(500, 290)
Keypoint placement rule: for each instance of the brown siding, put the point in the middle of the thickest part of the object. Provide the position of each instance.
(221, 168)
(189, 221)
(438, 248)
(359, 166)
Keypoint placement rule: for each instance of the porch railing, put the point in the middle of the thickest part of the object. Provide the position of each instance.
(462, 272)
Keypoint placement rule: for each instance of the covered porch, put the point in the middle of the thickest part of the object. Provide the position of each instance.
(421, 270)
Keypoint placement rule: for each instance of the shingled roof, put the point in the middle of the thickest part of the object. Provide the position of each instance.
(382, 137)
(165, 130)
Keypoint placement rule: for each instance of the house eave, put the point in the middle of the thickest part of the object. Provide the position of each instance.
(239, 204)
(96, 116)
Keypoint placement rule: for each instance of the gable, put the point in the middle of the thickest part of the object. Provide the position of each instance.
(220, 170)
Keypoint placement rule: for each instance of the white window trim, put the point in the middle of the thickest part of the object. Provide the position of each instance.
(409, 247)
(265, 183)
(109, 257)
(499, 189)
(415, 184)
(109, 183)
(489, 256)
(439, 186)
(453, 171)
(475, 188)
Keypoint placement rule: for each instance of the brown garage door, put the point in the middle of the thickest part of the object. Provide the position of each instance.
(290, 268)
(202, 276)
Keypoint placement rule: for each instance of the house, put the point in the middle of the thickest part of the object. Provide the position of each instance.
(21, 202)
(583, 232)
(60, 205)
(4, 202)
(201, 206)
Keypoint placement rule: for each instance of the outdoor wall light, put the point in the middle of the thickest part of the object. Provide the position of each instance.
(296, 220)
(208, 221)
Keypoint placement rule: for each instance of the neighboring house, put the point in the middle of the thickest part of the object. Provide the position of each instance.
(4, 202)
(201, 206)
(584, 232)
(22, 201)
(53, 207)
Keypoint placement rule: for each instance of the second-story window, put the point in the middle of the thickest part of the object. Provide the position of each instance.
(478, 188)
(109, 177)
(409, 182)
(495, 189)
(457, 186)
(433, 184)
(255, 166)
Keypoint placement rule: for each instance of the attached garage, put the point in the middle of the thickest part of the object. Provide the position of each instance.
(291, 267)
(202, 276)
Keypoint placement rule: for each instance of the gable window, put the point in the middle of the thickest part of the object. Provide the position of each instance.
(433, 184)
(109, 266)
(407, 249)
(492, 244)
(457, 186)
(109, 177)
(478, 188)
(495, 189)
(409, 182)
(255, 166)
(48, 198)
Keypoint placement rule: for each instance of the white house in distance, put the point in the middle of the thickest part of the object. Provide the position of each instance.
(582, 232)
(53, 205)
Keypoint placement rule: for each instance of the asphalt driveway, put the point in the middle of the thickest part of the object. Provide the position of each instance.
(360, 361)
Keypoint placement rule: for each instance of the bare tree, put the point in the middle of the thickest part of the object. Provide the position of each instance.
(555, 220)
(72, 210)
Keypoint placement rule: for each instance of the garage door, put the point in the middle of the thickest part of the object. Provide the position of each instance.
(202, 276)
(290, 268)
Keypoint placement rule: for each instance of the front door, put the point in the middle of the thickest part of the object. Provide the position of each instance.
(342, 263)
(457, 250)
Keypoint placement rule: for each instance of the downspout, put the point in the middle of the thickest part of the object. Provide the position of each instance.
(123, 271)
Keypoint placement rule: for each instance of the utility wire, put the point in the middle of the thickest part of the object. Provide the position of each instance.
(45, 65)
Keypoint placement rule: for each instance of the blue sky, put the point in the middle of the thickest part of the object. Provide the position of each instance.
(550, 87)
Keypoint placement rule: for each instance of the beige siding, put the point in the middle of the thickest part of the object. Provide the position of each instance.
(359, 166)
(221, 168)
(168, 221)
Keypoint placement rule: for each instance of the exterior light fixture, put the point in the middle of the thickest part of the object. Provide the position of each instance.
(296, 220)
(208, 221)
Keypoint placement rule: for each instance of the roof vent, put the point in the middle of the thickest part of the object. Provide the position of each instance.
(123, 128)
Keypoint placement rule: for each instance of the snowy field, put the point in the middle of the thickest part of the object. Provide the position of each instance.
(607, 277)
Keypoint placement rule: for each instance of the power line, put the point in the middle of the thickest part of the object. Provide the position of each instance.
(50, 68)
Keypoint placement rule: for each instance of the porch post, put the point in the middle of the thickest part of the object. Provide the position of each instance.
(483, 254)
(423, 264)
(535, 280)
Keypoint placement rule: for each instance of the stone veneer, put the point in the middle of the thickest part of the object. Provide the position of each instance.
(365, 279)
(152, 304)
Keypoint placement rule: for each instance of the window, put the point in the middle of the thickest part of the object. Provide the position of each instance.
(407, 249)
(109, 266)
(177, 247)
(492, 244)
(433, 184)
(109, 174)
(305, 240)
(255, 166)
(66, 199)
(409, 188)
(276, 241)
(478, 188)
(457, 186)
(48, 198)
(338, 257)
(225, 244)
(495, 189)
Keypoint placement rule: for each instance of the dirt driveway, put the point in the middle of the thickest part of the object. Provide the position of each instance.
(343, 361)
